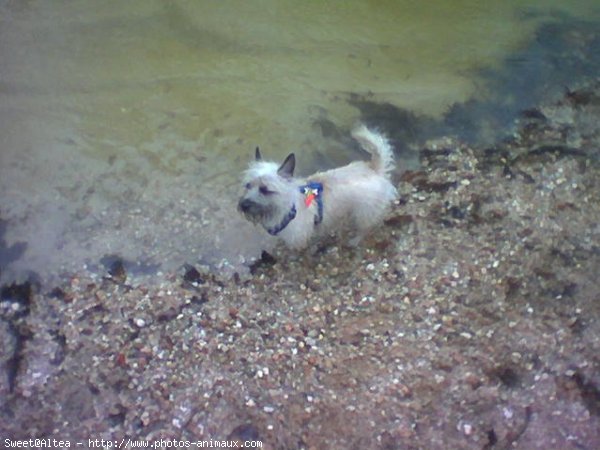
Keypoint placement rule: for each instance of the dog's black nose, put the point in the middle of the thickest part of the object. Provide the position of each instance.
(244, 205)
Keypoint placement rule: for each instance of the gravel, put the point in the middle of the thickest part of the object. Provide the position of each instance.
(468, 321)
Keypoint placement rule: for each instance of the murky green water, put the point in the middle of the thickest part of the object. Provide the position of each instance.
(124, 125)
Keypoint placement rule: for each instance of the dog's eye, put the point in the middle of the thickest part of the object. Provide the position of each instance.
(264, 190)
(248, 186)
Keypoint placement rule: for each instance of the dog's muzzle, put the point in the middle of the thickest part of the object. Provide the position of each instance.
(245, 205)
(252, 210)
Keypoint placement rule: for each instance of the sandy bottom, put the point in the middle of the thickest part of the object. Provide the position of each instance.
(124, 127)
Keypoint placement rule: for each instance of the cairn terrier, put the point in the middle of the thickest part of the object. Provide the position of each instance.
(357, 195)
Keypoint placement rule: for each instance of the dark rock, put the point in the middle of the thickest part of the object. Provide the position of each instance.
(199, 301)
(192, 275)
(590, 393)
(20, 294)
(115, 265)
(244, 432)
(266, 260)
(507, 376)
(21, 334)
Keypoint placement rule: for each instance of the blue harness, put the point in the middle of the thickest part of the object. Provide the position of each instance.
(313, 189)
(284, 223)
(316, 189)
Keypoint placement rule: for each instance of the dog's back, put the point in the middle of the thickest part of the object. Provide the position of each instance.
(362, 191)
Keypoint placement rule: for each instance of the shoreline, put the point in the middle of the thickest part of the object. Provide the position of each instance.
(469, 320)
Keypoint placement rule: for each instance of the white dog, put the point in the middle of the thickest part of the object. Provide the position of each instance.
(293, 209)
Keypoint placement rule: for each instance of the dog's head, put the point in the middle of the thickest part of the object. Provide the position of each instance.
(269, 190)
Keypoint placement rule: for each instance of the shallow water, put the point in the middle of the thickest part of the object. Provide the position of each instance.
(124, 125)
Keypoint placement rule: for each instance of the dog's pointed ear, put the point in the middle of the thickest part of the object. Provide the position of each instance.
(257, 155)
(287, 167)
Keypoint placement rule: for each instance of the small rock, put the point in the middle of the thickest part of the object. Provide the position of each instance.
(192, 275)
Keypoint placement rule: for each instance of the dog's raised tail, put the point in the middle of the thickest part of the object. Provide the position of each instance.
(382, 154)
